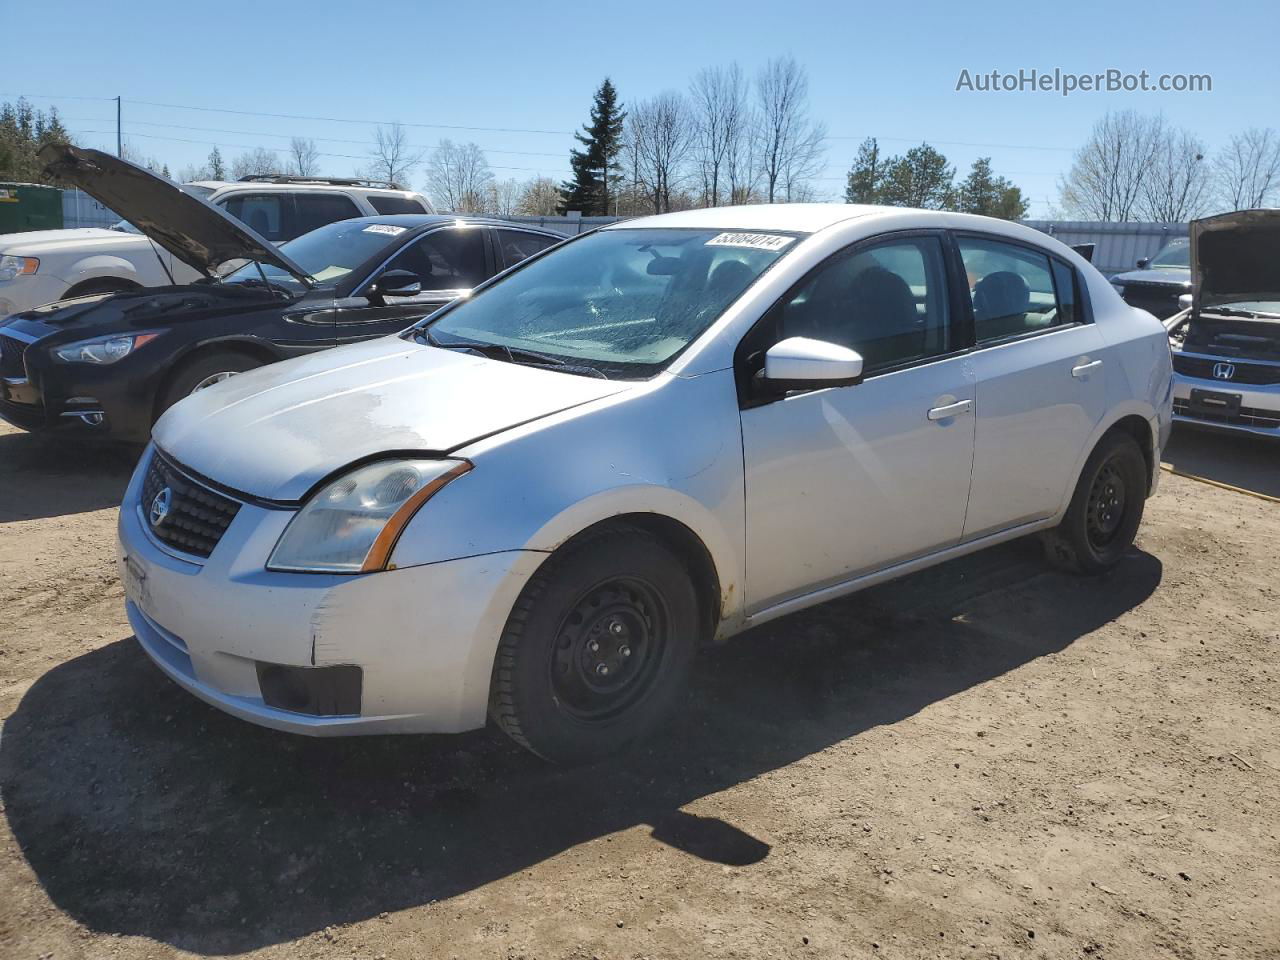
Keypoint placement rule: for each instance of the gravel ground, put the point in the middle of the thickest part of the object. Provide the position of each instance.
(985, 760)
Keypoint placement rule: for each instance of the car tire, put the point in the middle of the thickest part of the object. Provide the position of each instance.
(204, 370)
(597, 648)
(1105, 511)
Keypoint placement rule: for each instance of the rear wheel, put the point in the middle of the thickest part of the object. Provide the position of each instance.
(1105, 510)
(204, 371)
(597, 648)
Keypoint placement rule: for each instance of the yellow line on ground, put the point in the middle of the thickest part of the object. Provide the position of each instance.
(1220, 484)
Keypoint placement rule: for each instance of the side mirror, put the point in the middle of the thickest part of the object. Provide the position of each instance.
(396, 283)
(1142, 264)
(1184, 301)
(799, 363)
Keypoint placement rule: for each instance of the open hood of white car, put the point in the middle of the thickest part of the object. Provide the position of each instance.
(197, 233)
(277, 431)
(1235, 257)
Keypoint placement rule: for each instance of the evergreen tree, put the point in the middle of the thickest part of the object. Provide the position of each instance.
(984, 193)
(866, 175)
(23, 131)
(217, 170)
(601, 139)
(922, 178)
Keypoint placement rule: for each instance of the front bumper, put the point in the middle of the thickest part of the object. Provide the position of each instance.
(1257, 411)
(31, 291)
(424, 637)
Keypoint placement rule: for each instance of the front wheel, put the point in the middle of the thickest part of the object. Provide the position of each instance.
(1105, 511)
(203, 371)
(597, 647)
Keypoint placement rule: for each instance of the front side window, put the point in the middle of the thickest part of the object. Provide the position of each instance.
(269, 215)
(1012, 289)
(626, 299)
(318, 209)
(886, 301)
(450, 259)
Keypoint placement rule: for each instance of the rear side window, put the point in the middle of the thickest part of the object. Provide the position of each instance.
(1064, 278)
(267, 214)
(319, 209)
(1012, 289)
(887, 301)
(392, 205)
(451, 259)
(516, 245)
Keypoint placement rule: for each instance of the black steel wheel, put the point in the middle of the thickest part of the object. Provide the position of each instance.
(597, 648)
(1105, 511)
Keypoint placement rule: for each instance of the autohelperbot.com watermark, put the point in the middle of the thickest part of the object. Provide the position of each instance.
(1065, 83)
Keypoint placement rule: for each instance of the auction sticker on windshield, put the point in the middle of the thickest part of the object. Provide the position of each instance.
(388, 229)
(757, 241)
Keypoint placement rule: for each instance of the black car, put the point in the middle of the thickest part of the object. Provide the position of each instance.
(1160, 282)
(111, 364)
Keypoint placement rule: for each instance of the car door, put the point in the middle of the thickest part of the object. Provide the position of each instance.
(1041, 381)
(448, 262)
(847, 480)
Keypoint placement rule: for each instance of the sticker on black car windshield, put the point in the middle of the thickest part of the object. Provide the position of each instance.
(386, 228)
(757, 241)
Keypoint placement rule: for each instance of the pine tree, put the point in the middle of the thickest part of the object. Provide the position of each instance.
(23, 131)
(588, 191)
(217, 170)
(866, 175)
(922, 178)
(984, 193)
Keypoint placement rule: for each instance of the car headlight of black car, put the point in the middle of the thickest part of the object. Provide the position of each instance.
(104, 349)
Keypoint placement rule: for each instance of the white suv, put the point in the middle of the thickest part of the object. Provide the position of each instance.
(47, 265)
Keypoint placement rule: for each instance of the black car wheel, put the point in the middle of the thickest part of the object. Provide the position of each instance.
(597, 647)
(1105, 509)
(202, 371)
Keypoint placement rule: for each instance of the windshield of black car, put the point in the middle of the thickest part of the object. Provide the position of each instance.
(618, 299)
(1175, 253)
(195, 189)
(327, 254)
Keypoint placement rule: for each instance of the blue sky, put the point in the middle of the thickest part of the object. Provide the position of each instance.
(885, 69)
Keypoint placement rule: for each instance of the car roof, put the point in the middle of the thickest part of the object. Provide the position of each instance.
(792, 217)
(296, 186)
(410, 220)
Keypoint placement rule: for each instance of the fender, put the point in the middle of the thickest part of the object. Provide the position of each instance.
(104, 266)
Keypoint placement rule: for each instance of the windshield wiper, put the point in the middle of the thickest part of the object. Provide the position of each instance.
(1237, 312)
(516, 355)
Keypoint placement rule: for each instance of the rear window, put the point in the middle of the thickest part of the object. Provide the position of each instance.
(389, 205)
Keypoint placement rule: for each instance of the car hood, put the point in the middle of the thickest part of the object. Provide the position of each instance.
(36, 242)
(197, 233)
(1170, 277)
(1235, 257)
(277, 431)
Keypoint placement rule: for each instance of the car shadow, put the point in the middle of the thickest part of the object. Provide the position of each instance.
(1240, 460)
(141, 811)
(51, 476)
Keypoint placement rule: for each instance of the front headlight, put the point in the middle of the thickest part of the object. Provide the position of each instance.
(352, 524)
(104, 349)
(11, 267)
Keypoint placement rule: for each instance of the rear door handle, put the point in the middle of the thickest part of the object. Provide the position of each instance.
(1084, 369)
(950, 410)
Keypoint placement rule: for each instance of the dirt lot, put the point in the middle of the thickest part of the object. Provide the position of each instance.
(985, 760)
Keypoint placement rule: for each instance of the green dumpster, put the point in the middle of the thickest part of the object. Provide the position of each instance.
(29, 206)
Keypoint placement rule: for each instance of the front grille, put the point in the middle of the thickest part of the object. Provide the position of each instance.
(1161, 302)
(196, 518)
(1244, 372)
(11, 351)
(1247, 417)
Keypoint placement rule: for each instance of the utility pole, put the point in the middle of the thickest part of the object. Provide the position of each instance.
(119, 135)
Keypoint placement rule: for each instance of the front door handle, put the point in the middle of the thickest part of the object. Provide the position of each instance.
(950, 410)
(1084, 369)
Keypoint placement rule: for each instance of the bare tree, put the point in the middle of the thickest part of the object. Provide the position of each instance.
(789, 144)
(458, 177)
(1105, 181)
(304, 157)
(1176, 186)
(660, 137)
(1247, 170)
(502, 197)
(719, 104)
(539, 197)
(393, 157)
(256, 162)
